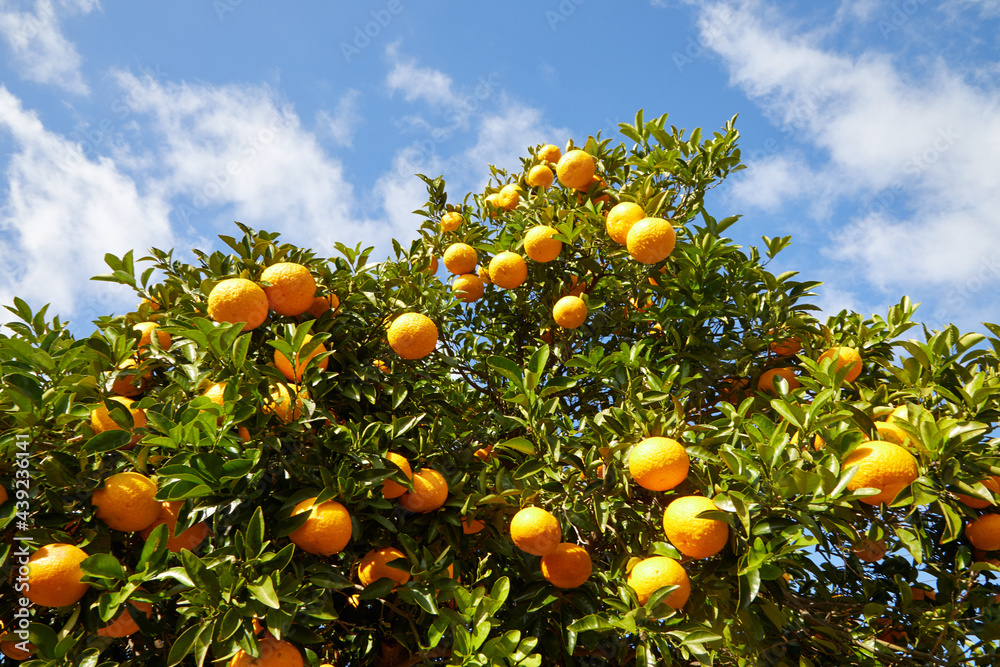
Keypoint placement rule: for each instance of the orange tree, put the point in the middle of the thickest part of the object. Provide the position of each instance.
(612, 437)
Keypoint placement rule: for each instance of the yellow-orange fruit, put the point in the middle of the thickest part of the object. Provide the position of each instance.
(327, 530)
(535, 531)
(54, 575)
(652, 574)
(292, 288)
(412, 335)
(189, 539)
(694, 537)
(568, 566)
(846, 356)
(430, 490)
(373, 566)
(620, 220)
(127, 502)
(881, 465)
(767, 378)
(658, 464)
(282, 363)
(508, 270)
(391, 489)
(238, 300)
(576, 169)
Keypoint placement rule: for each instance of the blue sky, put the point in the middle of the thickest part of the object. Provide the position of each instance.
(871, 128)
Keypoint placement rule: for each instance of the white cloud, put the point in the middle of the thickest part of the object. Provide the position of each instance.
(36, 43)
(418, 83)
(61, 214)
(341, 125)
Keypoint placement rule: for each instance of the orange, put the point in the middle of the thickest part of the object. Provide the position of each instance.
(535, 531)
(651, 574)
(216, 392)
(786, 347)
(373, 566)
(734, 390)
(484, 275)
(412, 335)
(767, 379)
(984, 532)
(101, 421)
(391, 489)
(460, 258)
(621, 218)
(468, 287)
(992, 483)
(327, 530)
(539, 244)
(658, 464)
(244, 433)
(10, 648)
(891, 433)
(484, 453)
(472, 527)
(280, 403)
(238, 300)
(295, 375)
(549, 153)
(451, 221)
(881, 465)
(54, 575)
(146, 330)
(899, 413)
(381, 365)
(576, 287)
(569, 566)
(570, 312)
(651, 240)
(127, 502)
(492, 204)
(322, 304)
(845, 356)
(540, 176)
(273, 653)
(130, 385)
(509, 197)
(693, 536)
(652, 281)
(508, 270)
(430, 490)
(153, 306)
(869, 550)
(124, 625)
(170, 511)
(3, 495)
(292, 289)
(576, 169)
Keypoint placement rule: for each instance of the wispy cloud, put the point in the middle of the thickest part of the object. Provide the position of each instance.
(343, 122)
(37, 45)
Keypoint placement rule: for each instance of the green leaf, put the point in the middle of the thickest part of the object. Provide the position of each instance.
(264, 592)
(183, 644)
(103, 566)
(519, 444)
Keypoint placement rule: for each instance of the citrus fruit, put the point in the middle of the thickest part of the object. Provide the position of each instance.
(766, 382)
(430, 490)
(101, 421)
(509, 197)
(568, 566)
(280, 403)
(576, 169)
(984, 532)
(468, 287)
(244, 433)
(693, 536)
(130, 385)
(292, 288)
(390, 488)
(146, 330)
(535, 531)
(460, 258)
(992, 483)
(381, 365)
(484, 453)
(786, 347)
(540, 176)
(471, 527)
(451, 221)
(322, 304)
(549, 153)
(620, 220)
(651, 240)
(899, 413)
(170, 511)
(881, 465)
(273, 653)
(539, 244)
(10, 648)
(295, 375)
(846, 356)
(413, 335)
(124, 625)
(658, 464)
(127, 502)
(216, 393)
(869, 550)
(891, 433)
(651, 574)
(238, 300)
(484, 275)
(153, 306)
(327, 530)
(3, 495)
(570, 312)
(54, 575)
(576, 287)
(492, 204)
(373, 566)
(508, 270)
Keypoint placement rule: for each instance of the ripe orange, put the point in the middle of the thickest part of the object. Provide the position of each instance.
(492, 204)
(891, 433)
(576, 287)
(127, 502)
(451, 221)
(881, 465)
(54, 575)
(992, 483)
(295, 375)
(430, 490)
(509, 197)
(484, 453)
(244, 433)
(767, 379)
(535, 531)
(899, 413)
(539, 244)
(238, 300)
(621, 218)
(101, 421)
(130, 385)
(216, 393)
(280, 403)
(146, 330)
(549, 153)
(460, 258)
(391, 489)
(373, 566)
(124, 625)
(9, 647)
(651, 574)
(570, 312)
(540, 176)
(786, 347)
(569, 566)
(3, 495)
(327, 530)
(845, 356)
(412, 335)
(322, 304)
(870, 551)
(273, 653)
(658, 464)
(651, 240)
(170, 511)
(468, 287)
(472, 527)
(694, 537)
(508, 270)
(984, 532)
(484, 275)
(575, 169)
(153, 306)
(292, 289)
